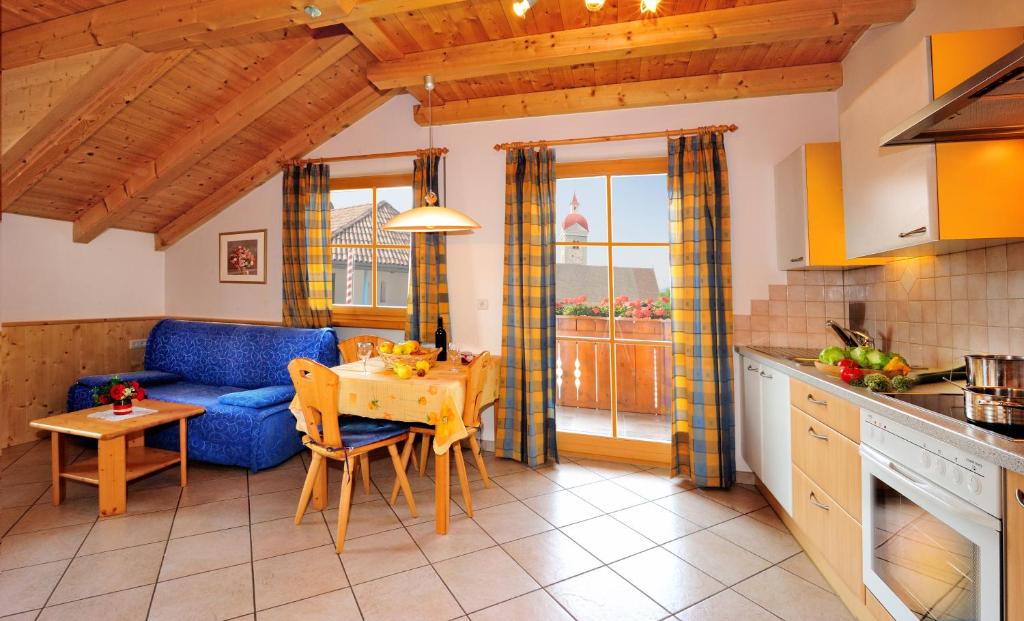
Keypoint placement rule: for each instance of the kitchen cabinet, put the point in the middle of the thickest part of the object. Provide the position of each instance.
(765, 443)
(834, 460)
(1013, 539)
(809, 209)
(909, 200)
(750, 413)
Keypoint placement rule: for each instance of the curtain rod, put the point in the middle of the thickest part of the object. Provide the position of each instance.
(674, 132)
(368, 156)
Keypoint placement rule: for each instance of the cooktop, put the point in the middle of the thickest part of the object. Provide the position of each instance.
(952, 406)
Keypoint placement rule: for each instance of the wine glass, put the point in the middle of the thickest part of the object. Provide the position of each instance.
(365, 348)
(454, 359)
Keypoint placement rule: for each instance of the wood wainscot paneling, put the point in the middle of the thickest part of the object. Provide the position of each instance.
(40, 360)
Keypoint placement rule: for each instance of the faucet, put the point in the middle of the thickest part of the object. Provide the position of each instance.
(851, 337)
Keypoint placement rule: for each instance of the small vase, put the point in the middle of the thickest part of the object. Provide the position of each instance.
(122, 408)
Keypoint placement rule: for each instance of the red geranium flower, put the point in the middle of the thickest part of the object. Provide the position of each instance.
(104, 400)
(117, 392)
(140, 394)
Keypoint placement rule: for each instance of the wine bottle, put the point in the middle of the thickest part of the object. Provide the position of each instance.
(441, 340)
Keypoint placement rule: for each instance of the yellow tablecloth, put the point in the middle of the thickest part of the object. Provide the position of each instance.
(436, 399)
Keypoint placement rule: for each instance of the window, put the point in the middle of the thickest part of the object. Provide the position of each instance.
(371, 265)
(612, 282)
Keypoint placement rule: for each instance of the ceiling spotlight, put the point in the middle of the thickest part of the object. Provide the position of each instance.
(522, 6)
(593, 5)
(649, 6)
(312, 10)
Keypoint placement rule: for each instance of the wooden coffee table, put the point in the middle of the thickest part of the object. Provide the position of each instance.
(122, 454)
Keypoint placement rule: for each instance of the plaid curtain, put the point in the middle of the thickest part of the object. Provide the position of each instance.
(306, 246)
(525, 415)
(428, 265)
(698, 188)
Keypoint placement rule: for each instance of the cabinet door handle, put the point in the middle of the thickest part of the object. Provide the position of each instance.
(918, 231)
(814, 501)
(816, 436)
(1020, 497)
(750, 368)
(811, 399)
(796, 260)
(765, 375)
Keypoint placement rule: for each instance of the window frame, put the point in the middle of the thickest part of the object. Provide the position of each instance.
(372, 316)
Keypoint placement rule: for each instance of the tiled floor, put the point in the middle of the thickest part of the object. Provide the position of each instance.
(635, 425)
(582, 540)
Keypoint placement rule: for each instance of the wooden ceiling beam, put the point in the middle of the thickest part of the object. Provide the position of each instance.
(332, 123)
(270, 89)
(742, 25)
(714, 87)
(86, 107)
(165, 24)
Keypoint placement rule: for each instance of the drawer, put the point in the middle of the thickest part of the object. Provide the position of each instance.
(834, 533)
(829, 458)
(837, 413)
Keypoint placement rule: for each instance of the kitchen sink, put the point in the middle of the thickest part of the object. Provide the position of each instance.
(804, 357)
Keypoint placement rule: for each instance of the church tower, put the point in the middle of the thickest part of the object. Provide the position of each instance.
(575, 229)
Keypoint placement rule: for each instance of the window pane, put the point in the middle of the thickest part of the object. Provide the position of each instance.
(643, 389)
(583, 395)
(581, 209)
(391, 202)
(352, 276)
(581, 294)
(392, 276)
(642, 286)
(640, 208)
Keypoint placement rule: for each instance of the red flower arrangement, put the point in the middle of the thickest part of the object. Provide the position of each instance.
(119, 393)
(641, 308)
(241, 259)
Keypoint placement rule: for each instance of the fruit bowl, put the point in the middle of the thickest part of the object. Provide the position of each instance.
(428, 354)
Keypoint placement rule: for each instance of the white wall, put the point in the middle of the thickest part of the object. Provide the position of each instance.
(44, 275)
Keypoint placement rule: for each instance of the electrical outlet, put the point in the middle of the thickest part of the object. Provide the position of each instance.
(482, 304)
(137, 344)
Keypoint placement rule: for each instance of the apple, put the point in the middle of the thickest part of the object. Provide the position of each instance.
(386, 348)
(403, 371)
(422, 365)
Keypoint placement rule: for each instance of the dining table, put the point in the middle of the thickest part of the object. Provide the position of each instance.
(436, 398)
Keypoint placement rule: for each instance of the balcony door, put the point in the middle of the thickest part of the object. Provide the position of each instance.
(612, 280)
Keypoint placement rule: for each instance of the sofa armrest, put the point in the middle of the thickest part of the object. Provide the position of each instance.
(259, 398)
(144, 378)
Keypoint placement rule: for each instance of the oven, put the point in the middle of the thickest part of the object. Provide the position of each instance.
(931, 531)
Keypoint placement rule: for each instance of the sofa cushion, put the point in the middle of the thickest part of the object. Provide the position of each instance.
(357, 431)
(187, 392)
(144, 378)
(259, 397)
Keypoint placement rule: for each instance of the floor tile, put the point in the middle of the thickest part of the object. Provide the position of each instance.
(608, 469)
(275, 505)
(283, 536)
(149, 500)
(464, 536)
(608, 496)
(802, 566)
(607, 538)
(535, 606)
(569, 474)
(668, 580)
(106, 572)
(656, 523)
(726, 605)
(213, 490)
(768, 516)
(383, 554)
(221, 594)
(9, 516)
(767, 542)
(526, 484)
(424, 508)
(21, 495)
(550, 557)
(498, 466)
(562, 508)
(737, 498)
(481, 496)
(337, 605)
(42, 546)
(206, 552)
(603, 595)
(210, 517)
(416, 594)
(28, 588)
(130, 605)
(23, 474)
(696, 508)
(652, 486)
(199, 471)
(127, 531)
(365, 519)
(23, 616)
(275, 480)
(484, 578)
(68, 513)
(291, 577)
(721, 559)
(510, 521)
(792, 598)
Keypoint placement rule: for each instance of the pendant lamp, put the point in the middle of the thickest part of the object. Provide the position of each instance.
(431, 217)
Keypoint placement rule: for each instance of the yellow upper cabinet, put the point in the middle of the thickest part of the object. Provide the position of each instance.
(809, 209)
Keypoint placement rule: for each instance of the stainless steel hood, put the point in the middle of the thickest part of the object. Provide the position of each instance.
(987, 106)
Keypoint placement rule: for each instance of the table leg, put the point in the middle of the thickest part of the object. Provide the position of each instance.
(59, 485)
(183, 449)
(442, 493)
(113, 486)
(320, 488)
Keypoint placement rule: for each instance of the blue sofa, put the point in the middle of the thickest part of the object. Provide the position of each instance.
(239, 373)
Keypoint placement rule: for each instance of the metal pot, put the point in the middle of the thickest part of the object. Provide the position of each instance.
(992, 370)
(994, 405)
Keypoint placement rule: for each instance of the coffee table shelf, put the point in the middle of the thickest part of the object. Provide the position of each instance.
(139, 461)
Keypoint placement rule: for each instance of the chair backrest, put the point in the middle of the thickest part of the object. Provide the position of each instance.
(476, 373)
(349, 348)
(317, 389)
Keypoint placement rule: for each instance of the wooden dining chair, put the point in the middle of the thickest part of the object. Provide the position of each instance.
(476, 373)
(349, 348)
(341, 438)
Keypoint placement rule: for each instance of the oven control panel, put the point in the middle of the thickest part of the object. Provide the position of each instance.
(976, 480)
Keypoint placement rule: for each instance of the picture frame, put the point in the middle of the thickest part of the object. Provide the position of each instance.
(243, 257)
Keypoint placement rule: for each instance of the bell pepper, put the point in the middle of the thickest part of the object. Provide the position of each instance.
(848, 374)
(896, 365)
(848, 363)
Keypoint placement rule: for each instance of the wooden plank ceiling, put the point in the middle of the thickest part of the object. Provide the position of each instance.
(155, 115)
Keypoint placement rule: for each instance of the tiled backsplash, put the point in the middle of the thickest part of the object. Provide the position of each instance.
(933, 310)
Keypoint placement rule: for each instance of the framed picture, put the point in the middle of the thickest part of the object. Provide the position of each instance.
(243, 257)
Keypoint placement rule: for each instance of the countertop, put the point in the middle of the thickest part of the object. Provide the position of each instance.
(975, 440)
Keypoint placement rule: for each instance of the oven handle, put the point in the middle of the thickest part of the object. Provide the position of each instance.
(947, 500)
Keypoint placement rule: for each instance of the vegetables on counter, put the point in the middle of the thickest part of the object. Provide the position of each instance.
(902, 383)
(832, 355)
(877, 370)
(876, 382)
(848, 374)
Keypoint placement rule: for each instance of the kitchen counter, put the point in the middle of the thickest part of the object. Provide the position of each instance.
(975, 440)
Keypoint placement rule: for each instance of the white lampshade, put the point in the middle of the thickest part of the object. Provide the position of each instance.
(431, 219)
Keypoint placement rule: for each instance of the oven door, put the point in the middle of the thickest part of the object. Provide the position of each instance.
(928, 555)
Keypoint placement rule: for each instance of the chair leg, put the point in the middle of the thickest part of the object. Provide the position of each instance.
(402, 480)
(423, 454)
(344, 505)
(407, 452)
(460, 466)
(307, 487)
(364, 465)
(479, 458)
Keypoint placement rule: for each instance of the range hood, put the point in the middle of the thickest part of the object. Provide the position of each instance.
(986, 106)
